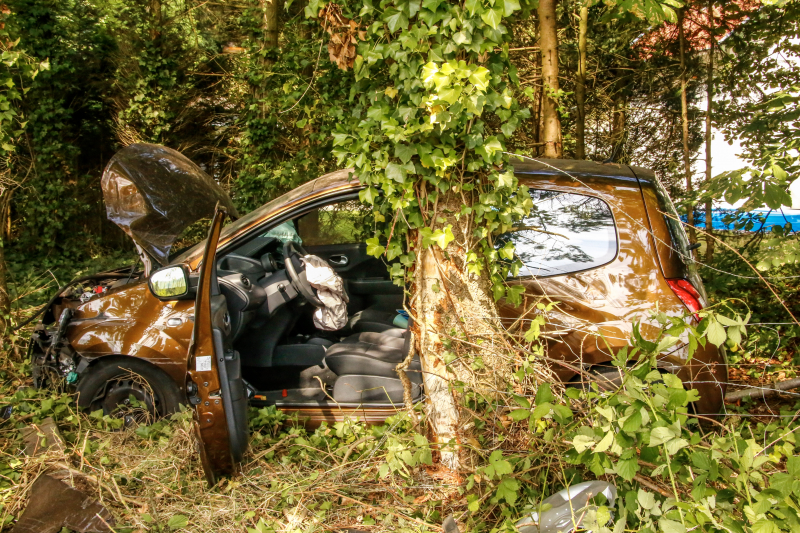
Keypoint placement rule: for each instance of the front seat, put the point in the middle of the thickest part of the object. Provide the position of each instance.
(373, 320)
(365, 365)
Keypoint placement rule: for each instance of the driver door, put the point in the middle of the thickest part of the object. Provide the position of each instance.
(214, 372)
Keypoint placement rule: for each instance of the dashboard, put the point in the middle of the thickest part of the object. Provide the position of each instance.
(255, 286)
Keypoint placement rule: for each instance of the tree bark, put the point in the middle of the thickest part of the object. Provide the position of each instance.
(5, 299)
(687, 163)
(271, 15)
(619, 122)
(548, 42)
(580, 86)
(709, 111)
(156, 14)
(455, 317)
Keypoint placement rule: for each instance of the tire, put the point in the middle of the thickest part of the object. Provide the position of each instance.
(109, 384)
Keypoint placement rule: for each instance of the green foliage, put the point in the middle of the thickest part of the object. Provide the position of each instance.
(431, 112)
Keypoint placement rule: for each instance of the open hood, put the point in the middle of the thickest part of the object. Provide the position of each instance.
(154, 193)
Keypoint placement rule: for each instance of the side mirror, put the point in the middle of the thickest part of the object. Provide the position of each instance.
(170, 283)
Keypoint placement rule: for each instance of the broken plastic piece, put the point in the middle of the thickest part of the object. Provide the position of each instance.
(569, 508)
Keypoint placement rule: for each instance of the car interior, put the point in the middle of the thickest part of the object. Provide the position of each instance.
(286, 360)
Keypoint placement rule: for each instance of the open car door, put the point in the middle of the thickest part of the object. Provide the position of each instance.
(215, 369)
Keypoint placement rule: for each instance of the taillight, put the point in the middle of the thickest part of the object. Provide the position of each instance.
(687, 294)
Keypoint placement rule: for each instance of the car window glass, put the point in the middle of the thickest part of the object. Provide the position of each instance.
(346, 222)
(563, 233)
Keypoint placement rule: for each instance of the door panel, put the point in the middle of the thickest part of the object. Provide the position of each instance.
(215, 370)
(351, 260)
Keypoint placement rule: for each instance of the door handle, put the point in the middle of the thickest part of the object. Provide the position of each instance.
(338, 260)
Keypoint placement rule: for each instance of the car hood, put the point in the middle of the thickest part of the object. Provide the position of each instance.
(154, 193)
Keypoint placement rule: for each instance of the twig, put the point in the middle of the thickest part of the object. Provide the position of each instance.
(763, 392)
(383, 510)
(652, 486)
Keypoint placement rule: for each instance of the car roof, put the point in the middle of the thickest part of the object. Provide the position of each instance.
(530, 166)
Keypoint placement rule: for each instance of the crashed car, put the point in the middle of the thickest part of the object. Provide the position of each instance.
(235, 320)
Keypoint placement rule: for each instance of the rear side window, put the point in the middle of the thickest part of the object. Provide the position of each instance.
(564, 233)
(680, 241)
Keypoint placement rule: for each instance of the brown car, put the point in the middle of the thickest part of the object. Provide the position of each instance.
(230, 321)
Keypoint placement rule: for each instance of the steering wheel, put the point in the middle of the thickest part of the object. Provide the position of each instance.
(292, 252)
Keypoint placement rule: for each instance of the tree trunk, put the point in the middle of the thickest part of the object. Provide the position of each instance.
(271, 15)
(580, 86)
(455, 319)
(709, 111)
(155, 13)
(619, 122)
(5, 299)
(548, 42)
(687, 163)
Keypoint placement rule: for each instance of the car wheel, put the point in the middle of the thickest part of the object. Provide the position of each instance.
(129, 389)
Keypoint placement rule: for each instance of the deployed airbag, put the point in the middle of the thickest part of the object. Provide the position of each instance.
(330, 290)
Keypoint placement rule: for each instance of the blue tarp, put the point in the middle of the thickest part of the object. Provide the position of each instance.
(728, 219)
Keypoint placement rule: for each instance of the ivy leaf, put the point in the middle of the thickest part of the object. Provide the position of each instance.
(368, 195)
(506, 179)
(509, 6)
(395, 19)
(472, 6)
(374, 248)
(492, 17)
(395, 172)
(404, 152)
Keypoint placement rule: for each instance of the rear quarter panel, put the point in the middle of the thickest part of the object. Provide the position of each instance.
(596, 309)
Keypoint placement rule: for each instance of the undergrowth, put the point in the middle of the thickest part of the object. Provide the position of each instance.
(675, 472)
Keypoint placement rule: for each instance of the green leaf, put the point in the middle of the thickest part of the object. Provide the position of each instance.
(374, 248)
(395, 20)
(506, 179)
(542, 409)
(627, 468)
(764, 525)
(660, 436)
(492, 17)
(177, 522)
(671, 526)
(507, 490)
(605, 443)
(519, 414)
(404, 152)
(395, 172)
(544, 394)
(509, 6)
(715, 333)
(582, 443)
(633, 422)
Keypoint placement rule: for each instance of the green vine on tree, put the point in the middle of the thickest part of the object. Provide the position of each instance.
(432, 111)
